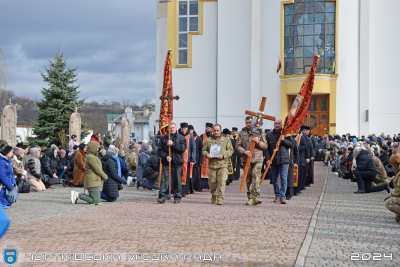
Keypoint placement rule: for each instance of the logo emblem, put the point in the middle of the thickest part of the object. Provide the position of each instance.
(10, 255)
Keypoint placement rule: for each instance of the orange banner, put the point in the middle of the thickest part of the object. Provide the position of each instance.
(163, 119)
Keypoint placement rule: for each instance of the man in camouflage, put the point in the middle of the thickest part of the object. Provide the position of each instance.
(218, 167)
(107, 140)
(243, 147)
(132, 159)
(393, 202)
(381, 177)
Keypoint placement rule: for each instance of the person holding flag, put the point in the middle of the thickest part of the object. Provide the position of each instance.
(280, 163)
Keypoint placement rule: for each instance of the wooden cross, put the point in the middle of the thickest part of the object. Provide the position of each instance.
(259, 116)
(169, 98)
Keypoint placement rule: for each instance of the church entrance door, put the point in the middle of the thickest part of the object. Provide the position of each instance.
(317, 115)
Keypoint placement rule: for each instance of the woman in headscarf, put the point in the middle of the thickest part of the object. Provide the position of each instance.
(112, 167)
(34, 171)
(393, 203)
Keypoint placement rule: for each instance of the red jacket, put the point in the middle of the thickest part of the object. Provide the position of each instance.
(96, 140)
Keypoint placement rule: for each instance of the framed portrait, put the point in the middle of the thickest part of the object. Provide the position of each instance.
(215, 150)
(295, 106)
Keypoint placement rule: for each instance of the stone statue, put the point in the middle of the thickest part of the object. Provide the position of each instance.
(126, 131)
(9, 124)
(75, 124)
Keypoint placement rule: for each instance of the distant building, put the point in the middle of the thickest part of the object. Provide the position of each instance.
(139, 121)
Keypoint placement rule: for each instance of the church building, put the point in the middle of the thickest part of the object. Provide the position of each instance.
(225, 56)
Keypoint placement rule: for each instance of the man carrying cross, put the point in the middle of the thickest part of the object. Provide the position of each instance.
(280, 162)
(254, 174)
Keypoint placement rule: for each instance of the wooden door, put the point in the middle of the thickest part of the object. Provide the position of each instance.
(317, 115)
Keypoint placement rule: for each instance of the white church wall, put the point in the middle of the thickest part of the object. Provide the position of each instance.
(348, 68)
(384, 54)
(196, 86)
(234, 61)
(270, 50)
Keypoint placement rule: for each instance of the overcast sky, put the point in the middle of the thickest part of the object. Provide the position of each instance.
(112, 42)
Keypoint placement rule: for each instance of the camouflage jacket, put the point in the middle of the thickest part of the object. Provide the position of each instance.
(226, 151)
(379, 167)
(243, 144)
(396, 183)
(131, 161)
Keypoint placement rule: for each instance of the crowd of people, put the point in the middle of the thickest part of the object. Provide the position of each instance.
(187, 162)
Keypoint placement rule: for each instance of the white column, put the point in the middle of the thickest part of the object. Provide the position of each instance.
(256, 55)
(364, 72)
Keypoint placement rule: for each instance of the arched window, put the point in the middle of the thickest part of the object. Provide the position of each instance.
(309, 30)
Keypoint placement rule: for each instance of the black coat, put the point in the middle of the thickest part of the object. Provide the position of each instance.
(282, 155)
(315, 145)
(70, 170)
(310, 146)
(384, 157)
(110, 167)
(294, 159)
(366, 163)
(50, 165)
(199, 148)
(151, 168)
(304, 151)
(177, 149)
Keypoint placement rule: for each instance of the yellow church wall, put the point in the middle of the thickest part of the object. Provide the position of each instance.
(173, 10)
(323, 83)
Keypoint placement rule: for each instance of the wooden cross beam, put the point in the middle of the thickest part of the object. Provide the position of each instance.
(169, 98)
(259, 116)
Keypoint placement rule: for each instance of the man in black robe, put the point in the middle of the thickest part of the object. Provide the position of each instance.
(294, 161)
(196, 169)
(306, 132)
(236, 157)
(204, 167)
(304, 158)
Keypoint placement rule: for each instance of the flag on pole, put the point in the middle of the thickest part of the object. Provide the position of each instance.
(163, 119)
(279, 65)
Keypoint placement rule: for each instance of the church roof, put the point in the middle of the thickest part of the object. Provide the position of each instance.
(112, 117)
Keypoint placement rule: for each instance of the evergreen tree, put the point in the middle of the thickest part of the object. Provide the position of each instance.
(58, 103)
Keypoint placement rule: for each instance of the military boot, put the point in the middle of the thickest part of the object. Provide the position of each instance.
(213, 199)
(219, 201)
(256, 201)
(249, 202)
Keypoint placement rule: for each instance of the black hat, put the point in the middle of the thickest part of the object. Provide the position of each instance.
(209, 124)
(75, 147)
(226, 131)
(5, 149)
(234, 129)
(73, 136)
(191, 127)
(305, 127)
(19, 144)
(82, 146)
(184, 125)
(350, 148)
(24, 146)
(385, 148)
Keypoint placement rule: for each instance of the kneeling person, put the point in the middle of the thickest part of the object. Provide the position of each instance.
(218, 166)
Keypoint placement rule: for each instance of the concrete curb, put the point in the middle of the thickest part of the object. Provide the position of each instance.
(301, 257)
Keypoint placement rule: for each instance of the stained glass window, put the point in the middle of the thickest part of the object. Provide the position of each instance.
(309, 30)
(188, 22)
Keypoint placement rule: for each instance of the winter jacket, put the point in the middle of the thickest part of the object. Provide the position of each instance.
(310, 146)
(143, 157)
(93, 168)
(124, 168)
(199, 148)
(18, 166)
(380, 169)
(226, 151)
(396, 183)
(177, 149)
(315, 145)
(71, 163)
(156, 142)
(151, 168)
(110, 168)
(94, 138)
(7, 178)
(243, 144)
(282, 155)
(79, 167)
(64, 162)
(304, 151)
(107, 142)
(34, 169)
(384, 157)
(366, 163)
(326, 142)
(50, 164)
(343, 162)
(132, 162)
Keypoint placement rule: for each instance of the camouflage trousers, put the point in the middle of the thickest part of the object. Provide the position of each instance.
(378, 180)
(393, 204)
(253, 180)
(217, 181)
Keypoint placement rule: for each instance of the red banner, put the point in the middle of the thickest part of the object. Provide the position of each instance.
(163, 120)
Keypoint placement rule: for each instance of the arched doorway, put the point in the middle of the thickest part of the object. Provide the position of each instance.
(317, 115)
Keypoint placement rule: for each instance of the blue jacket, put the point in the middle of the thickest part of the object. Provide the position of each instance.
(143, 157)
(124, 167)
(7, 177)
